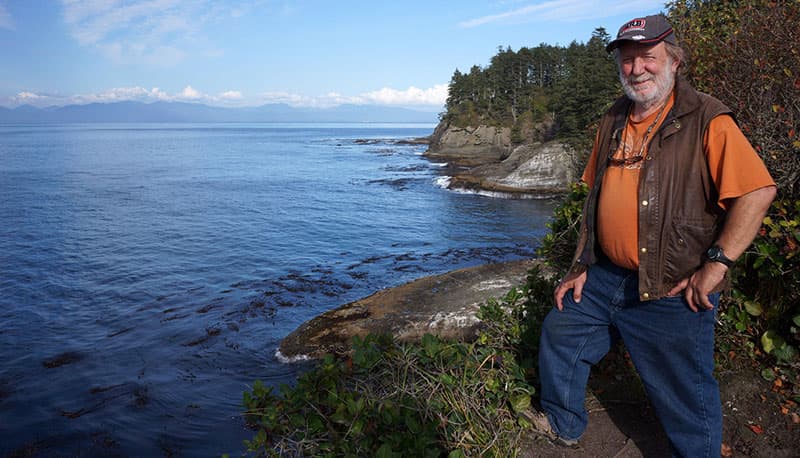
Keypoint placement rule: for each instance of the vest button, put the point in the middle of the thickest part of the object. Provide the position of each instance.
(645, 203)
(644, 250)
(645, 296)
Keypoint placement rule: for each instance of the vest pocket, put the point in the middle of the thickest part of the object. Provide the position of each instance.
(688, 241)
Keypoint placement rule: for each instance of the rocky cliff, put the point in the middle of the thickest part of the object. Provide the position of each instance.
(484, 158)
(468, 146)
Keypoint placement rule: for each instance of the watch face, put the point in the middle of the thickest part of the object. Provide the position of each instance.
(715, 253)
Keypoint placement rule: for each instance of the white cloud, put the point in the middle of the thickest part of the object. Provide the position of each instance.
(29, 97)
(190, 93)
(566, 11)
(93, 21)
(431, 98)
(295, 100)
(230, 95)
(519, 12)
(437, 95)
(160, 32)
(6, 22)
(120, 94)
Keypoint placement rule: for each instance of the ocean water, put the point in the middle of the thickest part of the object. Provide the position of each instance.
(149, 272)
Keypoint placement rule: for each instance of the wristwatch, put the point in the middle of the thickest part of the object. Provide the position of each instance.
(716, 254)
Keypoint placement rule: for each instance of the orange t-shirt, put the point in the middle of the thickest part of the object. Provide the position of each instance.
(735, 169)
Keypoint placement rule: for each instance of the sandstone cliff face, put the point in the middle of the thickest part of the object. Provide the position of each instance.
(530, 169)
(484, 158)
(469, 146)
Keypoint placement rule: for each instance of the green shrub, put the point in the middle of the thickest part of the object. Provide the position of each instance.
(735, 56)
(432, 398)
(558, 246)
(768, 281)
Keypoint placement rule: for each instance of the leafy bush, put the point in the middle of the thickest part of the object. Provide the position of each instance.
(737, 57)
(558, 246)
(391, 399)
(770, 280)
(747, 54)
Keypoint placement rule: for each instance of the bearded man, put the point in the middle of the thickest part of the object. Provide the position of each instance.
(676, 196)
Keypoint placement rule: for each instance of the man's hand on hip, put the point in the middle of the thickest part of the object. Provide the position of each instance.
(697, 287)
(573, 281)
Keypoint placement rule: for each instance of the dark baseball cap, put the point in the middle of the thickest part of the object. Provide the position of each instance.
(648, 30)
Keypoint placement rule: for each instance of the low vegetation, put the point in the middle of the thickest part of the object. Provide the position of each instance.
(435, 398)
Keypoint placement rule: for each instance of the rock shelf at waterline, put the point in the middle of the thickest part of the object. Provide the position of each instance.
(444, 305)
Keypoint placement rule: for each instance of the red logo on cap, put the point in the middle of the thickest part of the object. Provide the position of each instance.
(636, 24)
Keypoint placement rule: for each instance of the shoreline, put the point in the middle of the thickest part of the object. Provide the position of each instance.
(444, 305)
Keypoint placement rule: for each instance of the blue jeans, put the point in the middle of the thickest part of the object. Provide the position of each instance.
(671, 347)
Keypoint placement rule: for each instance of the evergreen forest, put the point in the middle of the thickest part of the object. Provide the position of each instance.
(569, 87)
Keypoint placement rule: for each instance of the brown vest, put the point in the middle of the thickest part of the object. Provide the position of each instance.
(679, 218)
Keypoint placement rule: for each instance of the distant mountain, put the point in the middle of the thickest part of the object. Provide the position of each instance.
(194, 112)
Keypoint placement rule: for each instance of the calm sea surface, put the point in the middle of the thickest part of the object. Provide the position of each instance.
(149, 272)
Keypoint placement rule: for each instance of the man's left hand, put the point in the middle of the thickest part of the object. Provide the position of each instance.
(697, 287)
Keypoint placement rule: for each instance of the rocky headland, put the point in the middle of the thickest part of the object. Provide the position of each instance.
(485, 158)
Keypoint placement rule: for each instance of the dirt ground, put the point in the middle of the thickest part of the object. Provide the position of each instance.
(622, 423)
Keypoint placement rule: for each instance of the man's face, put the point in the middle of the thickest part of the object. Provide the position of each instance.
(647, 73)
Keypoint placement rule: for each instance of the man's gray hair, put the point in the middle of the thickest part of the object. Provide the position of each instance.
(677, 53)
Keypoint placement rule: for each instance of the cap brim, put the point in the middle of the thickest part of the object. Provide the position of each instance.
(668, 36)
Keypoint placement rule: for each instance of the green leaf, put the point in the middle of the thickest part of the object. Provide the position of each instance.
(412, 424)
(357, 427)
(753, 308)
(771, 340)
(430, 344)
(520, 402)
(796, 320)
(785, 352)
(768, 374)
(447, 379)
(297, 420)
(385, 451)
(456, 454)
(316, 425)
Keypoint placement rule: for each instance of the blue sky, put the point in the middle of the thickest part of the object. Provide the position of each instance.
(246, 53)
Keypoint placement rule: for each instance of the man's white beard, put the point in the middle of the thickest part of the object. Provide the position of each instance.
(663, 82)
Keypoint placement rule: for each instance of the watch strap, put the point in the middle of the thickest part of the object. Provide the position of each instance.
(716, 254)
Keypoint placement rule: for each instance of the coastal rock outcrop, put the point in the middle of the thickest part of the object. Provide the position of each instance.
(469, 146)
(485, 158)
(443, 305)
(531, 169)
